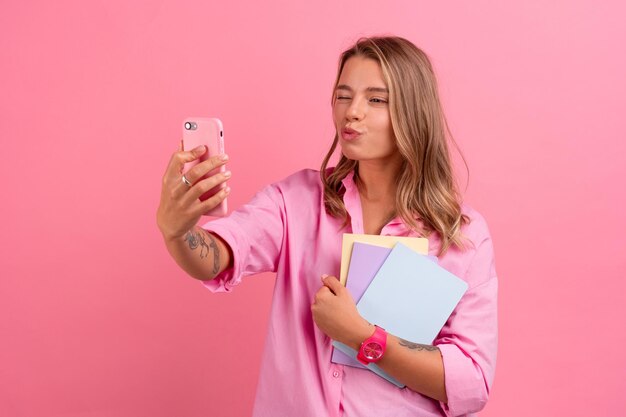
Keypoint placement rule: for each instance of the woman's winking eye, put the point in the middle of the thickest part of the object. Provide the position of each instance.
(376, 100)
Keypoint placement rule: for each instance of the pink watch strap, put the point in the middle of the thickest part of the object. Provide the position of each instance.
(373, 348)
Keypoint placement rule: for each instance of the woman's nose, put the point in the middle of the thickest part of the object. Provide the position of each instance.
(355, 111)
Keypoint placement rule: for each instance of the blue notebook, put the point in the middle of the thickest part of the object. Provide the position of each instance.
(410, 297)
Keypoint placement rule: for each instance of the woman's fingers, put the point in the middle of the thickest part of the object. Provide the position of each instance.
(180, 205)
(202, 168)
(205, 185)
(180, 158)
(197, 172)
(211, 202)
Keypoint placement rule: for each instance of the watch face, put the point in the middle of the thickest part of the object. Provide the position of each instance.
(373, 351)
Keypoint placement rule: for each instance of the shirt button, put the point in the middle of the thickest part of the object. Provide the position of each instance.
(336, 374)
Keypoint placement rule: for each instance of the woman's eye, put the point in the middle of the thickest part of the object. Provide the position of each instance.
(342, 98)
(378, 100)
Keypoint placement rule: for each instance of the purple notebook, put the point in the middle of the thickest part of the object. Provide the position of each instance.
(365, 262)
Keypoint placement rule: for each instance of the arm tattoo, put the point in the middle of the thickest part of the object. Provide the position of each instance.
(199, 239)
(417, 346)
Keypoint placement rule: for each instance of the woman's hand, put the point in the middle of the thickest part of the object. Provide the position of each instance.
(335, 313)
(180, 206)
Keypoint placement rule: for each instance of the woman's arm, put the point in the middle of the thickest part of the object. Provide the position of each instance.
(419, 367)
(201, 254)
(458, 370)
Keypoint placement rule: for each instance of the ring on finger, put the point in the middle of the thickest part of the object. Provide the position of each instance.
(186, 181)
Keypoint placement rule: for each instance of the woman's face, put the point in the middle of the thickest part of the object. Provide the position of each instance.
(361, 112)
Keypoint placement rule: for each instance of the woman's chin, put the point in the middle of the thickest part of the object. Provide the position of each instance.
(351, 154)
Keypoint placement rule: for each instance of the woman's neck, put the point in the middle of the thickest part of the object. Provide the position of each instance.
(377, 180)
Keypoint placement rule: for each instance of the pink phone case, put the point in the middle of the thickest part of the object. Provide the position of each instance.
(208, 132)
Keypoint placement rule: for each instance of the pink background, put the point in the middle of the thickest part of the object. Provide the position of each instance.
(97, 320)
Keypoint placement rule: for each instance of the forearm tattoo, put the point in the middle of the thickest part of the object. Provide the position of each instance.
(417, 346)
(199, 239)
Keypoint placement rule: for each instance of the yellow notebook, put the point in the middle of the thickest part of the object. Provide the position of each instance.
(418, 244)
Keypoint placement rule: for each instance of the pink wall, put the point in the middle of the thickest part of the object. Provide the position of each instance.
(97, 320)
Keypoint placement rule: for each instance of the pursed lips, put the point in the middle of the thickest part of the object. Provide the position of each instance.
(349, 133)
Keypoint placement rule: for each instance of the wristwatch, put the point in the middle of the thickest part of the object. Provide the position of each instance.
(373, 348)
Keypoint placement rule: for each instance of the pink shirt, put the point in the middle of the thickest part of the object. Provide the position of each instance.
(285, 229)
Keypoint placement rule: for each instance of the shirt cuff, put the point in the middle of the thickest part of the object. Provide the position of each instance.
(465, 385)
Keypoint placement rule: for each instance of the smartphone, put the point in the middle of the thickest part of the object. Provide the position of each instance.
(210, 133)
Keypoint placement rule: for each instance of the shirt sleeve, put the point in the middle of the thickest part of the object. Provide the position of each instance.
(254, 233)
(468, 342)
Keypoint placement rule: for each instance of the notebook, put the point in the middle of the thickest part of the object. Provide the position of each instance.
(419, 244)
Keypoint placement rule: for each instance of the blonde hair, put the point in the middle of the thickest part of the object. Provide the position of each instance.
(426, 185)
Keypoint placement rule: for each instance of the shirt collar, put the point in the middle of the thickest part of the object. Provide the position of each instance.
(348, 181)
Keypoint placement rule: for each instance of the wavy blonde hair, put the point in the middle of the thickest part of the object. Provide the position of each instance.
(427, 189)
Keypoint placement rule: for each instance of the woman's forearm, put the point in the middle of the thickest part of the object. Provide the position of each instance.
(201, 254)
(419, 367)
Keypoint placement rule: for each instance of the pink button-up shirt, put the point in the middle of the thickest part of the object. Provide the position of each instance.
(285, 229)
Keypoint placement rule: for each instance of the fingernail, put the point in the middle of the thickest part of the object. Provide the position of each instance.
(200, 148)
(227, 174)
(226, 190)
(224, 157)
(325, 276)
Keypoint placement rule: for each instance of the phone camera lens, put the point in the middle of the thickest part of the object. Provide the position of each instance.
(187, 125)
(190, 125)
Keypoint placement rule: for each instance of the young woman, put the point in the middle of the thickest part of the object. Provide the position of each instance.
(394, 177)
